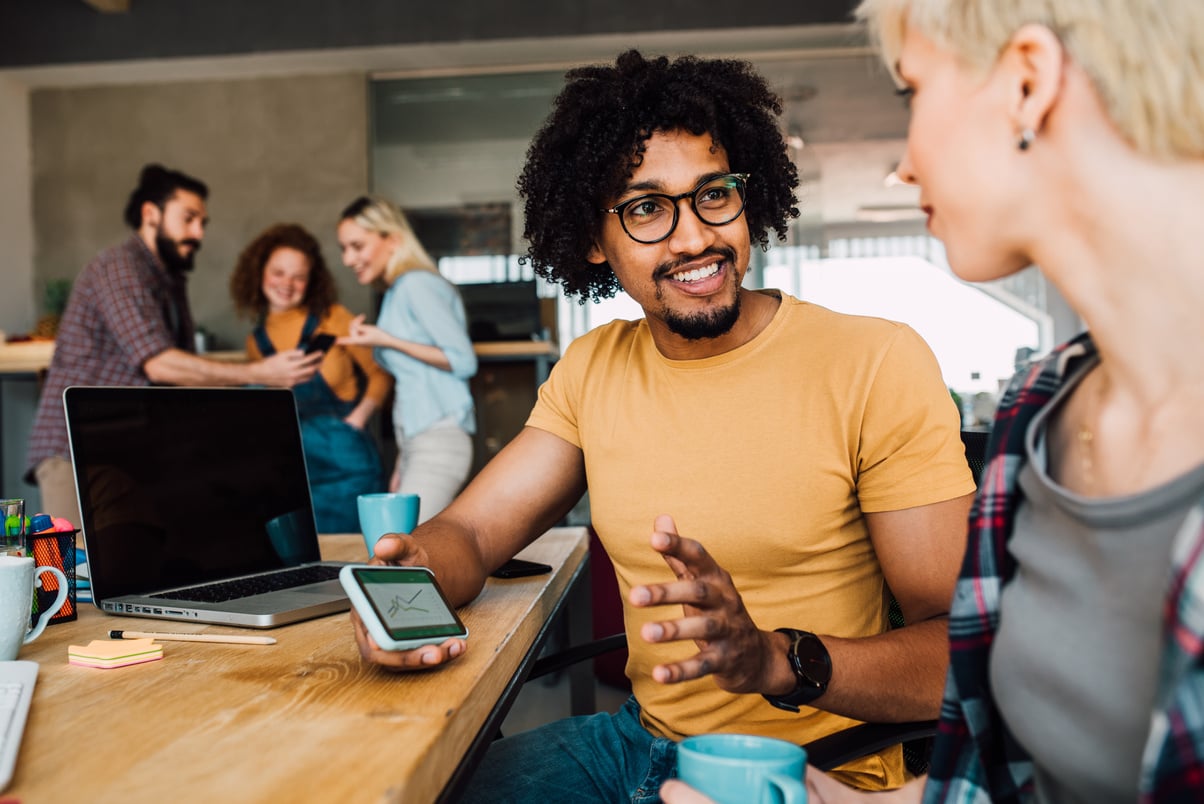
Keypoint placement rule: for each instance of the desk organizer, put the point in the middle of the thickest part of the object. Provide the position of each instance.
(54, 549)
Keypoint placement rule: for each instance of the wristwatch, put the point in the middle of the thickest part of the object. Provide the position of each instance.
(812, 668)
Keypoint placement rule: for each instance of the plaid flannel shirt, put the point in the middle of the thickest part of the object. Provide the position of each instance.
(976, 759)
(125, 308)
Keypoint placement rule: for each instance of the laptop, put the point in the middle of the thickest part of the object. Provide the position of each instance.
(195, 505)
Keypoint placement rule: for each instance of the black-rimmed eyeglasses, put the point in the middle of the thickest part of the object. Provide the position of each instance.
(652, 217)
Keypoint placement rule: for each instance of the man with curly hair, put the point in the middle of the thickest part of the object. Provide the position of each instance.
(128, 323)
(808, 460)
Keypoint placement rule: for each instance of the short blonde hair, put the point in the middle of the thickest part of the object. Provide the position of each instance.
(1145, 57)
(377, 215)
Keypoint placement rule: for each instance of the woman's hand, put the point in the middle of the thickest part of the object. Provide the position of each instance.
(286, 369)
(676, 791)
(823, 789)
(361, 333)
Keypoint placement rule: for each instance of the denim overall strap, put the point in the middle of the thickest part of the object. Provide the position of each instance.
(262, 341)
(266, 347)
(307, 331)
(314, 397)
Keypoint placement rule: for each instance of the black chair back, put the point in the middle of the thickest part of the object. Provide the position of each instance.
(975, 442)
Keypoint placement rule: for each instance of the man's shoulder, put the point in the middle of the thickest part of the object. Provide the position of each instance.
(814, 329)
(618, 336)
(130, 255)
(809, 314)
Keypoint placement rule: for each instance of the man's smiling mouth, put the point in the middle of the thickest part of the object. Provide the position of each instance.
(697, 274)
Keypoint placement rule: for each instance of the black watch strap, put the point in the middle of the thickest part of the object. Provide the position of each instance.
(812, 668)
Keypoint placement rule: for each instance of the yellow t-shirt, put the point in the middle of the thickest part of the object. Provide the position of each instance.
(767, 455)
(284, 331)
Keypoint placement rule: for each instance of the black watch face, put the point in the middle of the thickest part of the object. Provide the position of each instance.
(813, 660)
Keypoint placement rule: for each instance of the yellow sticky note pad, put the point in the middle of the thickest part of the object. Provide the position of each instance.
(110, 653)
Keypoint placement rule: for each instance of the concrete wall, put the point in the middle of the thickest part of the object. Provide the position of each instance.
(271, 150)
(16, 216)
(17, 312)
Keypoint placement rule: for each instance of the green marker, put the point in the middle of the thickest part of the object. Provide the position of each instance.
(13, 525)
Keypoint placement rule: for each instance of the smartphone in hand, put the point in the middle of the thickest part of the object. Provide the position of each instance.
(321, 342)
(402, 607)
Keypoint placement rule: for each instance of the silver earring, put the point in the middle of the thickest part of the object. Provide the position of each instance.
(1026, 138)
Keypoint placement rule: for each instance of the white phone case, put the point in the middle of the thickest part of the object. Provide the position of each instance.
(372, 622)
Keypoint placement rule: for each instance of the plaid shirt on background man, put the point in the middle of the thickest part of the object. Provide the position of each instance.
(976, 759)
(125, 308)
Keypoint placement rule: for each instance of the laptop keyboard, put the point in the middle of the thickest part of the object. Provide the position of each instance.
(257, 585)
(16, 692)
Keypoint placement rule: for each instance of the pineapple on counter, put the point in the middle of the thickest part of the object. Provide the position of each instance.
(54, 302)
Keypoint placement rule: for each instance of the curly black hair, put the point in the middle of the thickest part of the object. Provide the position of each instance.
(595, 138)
(157, 185)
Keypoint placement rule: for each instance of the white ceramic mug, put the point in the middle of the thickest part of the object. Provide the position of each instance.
(16, 602)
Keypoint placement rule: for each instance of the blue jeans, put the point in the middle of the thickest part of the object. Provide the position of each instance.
(604, 757)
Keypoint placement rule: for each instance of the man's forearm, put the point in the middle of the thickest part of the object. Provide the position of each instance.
(455, 559)
(893, 677)
(177, 367)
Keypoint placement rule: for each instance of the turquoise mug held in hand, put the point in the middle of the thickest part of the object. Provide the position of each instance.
(743, 769)
(16, 601)
(386, 512)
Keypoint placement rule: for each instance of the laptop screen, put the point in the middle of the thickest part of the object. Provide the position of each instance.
(179, 486)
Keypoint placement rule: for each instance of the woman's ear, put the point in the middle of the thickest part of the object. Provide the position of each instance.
(595, 254)
(1033, 63)
(392, 241)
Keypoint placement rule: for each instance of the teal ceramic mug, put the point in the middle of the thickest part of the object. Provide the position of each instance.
(742, 769)
(386, 512)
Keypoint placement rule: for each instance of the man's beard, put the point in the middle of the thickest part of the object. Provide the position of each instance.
(169, 252)
(708, 323)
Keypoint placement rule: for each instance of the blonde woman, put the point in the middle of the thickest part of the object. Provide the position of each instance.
(421, 338)
(1070, 134)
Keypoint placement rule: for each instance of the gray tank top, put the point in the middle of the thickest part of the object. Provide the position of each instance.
(1074, 669)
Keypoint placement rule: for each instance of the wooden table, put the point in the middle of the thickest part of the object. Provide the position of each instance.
(25, 359)
(302, 720)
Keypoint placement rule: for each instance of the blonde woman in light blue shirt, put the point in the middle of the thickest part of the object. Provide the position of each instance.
(421, 338)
